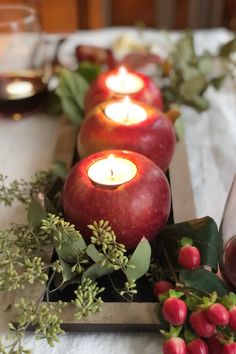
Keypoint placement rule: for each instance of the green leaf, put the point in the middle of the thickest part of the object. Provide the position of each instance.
(205, 64)
(227, 48)
(217, 82)
(93, 253)
(70, 247)
(203, 280)
(96, 271)
(50, 208)
(185, 48)
(204, 234)
(179, 129)
(193, 87)
(199, 103)
(67, 273)
(59, 169)
(139, 261)
(89, 70)
(36, 212)
(72, 89)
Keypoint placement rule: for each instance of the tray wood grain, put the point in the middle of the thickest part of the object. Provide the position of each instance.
(115, 316)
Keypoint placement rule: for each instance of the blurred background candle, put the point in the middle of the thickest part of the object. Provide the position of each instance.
(121, 82)
(124, 82)
(23, 81)
(128, 190)
(126, 112)
(126, 124)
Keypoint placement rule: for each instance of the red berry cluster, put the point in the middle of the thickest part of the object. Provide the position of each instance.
(198, 324)
(208, 326)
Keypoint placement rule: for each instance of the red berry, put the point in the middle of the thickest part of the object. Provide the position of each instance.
(189, 257)
(232, 318)
(201, 325)
(214, 346)
(174, 346)
(161, 287)
(174, 311)
(197, 346)
(229, 348)
(218, 314)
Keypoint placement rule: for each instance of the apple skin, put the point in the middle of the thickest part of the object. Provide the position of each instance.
(154, 137)
(138, 208)
(99, 92)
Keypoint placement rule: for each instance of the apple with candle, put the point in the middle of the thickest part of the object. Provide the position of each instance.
(123, 187)
(120, 82)
(130, 125)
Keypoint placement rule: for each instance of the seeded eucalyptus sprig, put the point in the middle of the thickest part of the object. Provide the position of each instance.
(87, 300)
(22, 190)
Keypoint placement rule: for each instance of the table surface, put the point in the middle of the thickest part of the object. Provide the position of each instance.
(28, 145)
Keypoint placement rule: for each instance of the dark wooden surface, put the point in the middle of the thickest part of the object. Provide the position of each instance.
(71, 15)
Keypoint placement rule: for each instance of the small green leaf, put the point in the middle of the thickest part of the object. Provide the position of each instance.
(227, 48)
(179, 129)
(188, 335)
(193, 87)
(71, 247)
(72, 89)
(59, 169)
(93, 253)
(205, 64)
(67, 273)
(140, 259)
(186, 241)
(36, 212)
(49, 206)
(89, 70)
(192, 303)
(96, 271)
(201, 279)
(217, 82)
(199, 103)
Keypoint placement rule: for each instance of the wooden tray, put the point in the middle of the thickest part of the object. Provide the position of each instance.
(115, 316)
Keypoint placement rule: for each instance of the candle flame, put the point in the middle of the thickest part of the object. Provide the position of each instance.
(122, 72)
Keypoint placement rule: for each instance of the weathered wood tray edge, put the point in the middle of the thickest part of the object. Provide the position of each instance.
(114, 316)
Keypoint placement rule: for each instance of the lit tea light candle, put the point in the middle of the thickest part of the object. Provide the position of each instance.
(124, 82)
(112, 171)
(126, 112)
(19, 89)
(120, 82)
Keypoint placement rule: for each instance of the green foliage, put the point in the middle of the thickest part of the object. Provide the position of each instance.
(139, 262)
(203, 280)
(89, 70)
(189, 75)
(36, 212)
(22, 190)
(71, 90)
(87, 300)
(204, 234)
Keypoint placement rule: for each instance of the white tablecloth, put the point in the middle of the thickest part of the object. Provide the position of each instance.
(28, 145)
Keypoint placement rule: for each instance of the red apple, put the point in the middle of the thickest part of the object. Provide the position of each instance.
(153, 137)
(99, 92)
(135, 209)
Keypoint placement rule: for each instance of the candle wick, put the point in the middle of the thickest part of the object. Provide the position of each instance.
(112, 174)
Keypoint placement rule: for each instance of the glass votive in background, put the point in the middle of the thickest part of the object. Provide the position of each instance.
(23, 82)
(228, 232)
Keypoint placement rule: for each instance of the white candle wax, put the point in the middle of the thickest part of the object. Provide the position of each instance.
(126, 112)
(112, 171)
(19, 89)
(124, 82)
